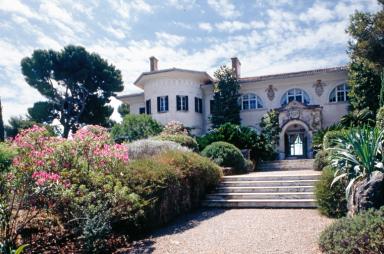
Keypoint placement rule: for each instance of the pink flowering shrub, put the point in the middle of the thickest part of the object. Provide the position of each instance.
(70, 177)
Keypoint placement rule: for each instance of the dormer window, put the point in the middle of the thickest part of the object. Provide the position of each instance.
(339, 93)
(295, 94)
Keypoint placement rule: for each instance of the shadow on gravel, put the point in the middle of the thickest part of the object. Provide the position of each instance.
(179, 225)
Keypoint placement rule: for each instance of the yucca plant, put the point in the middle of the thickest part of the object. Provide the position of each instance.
(357, 154)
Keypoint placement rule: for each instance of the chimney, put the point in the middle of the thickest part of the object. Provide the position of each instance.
(153, 63)
(236, 67)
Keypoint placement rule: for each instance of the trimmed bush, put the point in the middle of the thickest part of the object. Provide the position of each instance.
(167, 185)
(321, 160)
(149, 147)
(243, 138)
(181, 139)
(134, 127)
(363, 233)
(331, 137)
(380, 118)
(331, 200)
(226, 155)
(7, 153)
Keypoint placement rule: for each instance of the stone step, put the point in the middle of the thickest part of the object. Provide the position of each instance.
(283, 165)
(261, 203)
(270, 177)
(267, 195)
(263, 189)
(267, 183)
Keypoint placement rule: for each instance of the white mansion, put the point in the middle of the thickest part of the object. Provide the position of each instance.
(306, 101)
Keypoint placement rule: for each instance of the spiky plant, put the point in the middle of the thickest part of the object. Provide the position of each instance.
(357, 155)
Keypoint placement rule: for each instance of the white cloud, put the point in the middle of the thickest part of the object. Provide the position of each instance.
(118, 33)
(126, 8)
(205, 26)
(319, 12)
(171, 40)
(233, 26)
(182, 4)
(15, 6)
(224, 8)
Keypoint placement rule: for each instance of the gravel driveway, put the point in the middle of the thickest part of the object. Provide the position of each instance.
(239, 231)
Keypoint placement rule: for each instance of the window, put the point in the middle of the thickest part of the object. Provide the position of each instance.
(181, 103)
(162, 104)
(211, 106)
(339, 93)
(142, 110)
(295, 94)
(148, 107)
(198, 105)
(250, 101)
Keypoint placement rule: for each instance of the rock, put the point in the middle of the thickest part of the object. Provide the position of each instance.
(368, 193)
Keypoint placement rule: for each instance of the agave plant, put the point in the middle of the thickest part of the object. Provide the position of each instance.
(357, 155)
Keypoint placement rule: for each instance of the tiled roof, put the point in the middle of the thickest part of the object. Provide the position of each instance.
(292, 74)
(169, 70)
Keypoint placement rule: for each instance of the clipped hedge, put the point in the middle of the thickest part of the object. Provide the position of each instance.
(167, 184)
(331, 200)
(226, 155)
(363, 233)
(181, 139)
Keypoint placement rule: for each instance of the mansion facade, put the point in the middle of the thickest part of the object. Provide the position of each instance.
(307, 101)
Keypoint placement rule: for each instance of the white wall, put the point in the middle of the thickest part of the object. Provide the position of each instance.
(332, 112)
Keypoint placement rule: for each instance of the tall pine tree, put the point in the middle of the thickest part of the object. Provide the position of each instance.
(225, 106)
(1, 123)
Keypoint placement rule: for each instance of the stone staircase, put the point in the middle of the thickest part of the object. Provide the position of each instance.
(279, 185)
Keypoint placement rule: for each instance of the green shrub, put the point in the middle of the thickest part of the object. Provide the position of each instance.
(380, 118)
(181, 139)
(321, 160)
(6, 156)
(331, 200)
(331, 137)
(226, 155)
(363, 233)
(167, 184)
(134, 127)
(242, 137)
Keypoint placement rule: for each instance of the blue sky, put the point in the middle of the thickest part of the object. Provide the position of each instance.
(268, 36)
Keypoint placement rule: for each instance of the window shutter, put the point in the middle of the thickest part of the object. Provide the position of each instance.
(158, 104)
(166, 103)
(148, 107)
(178, 102)
(186, 103)
(200, 105)
(196, 104)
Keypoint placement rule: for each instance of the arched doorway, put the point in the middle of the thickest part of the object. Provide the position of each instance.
(295, 140)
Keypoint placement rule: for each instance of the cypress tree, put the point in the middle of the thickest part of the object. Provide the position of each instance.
(225, 107)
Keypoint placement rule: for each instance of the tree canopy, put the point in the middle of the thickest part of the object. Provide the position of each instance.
(124, 109)
(77, 85)
(225, 107)
(366, 49)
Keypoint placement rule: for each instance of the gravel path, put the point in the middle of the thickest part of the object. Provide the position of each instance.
(239, 231)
